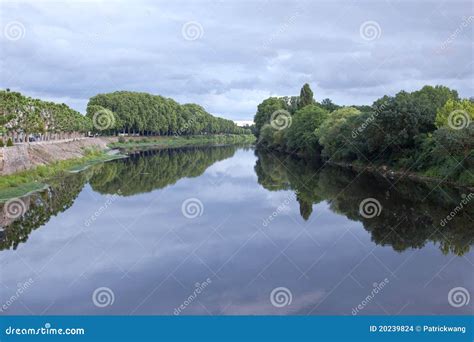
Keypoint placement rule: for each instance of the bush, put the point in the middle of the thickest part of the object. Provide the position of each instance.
(9, 142)
(121, 139)
(301, 134)
(1, 143)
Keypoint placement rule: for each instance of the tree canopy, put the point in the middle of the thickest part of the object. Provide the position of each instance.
(24, 115)
(146, 114)
(123, 111)
(306, 96)
(429, 130)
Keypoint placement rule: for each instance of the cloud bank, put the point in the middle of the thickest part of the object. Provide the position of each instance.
(230, 55)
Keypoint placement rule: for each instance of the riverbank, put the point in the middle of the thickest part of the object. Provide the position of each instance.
(382, 170)
(180, 141)
(28, 181)
(28, 156)
(390, 173)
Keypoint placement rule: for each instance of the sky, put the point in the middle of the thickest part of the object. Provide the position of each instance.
(228, 56)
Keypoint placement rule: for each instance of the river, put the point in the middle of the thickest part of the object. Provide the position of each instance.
(234, 231)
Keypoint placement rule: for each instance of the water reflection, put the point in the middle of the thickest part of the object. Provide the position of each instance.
(154, 169)
(411, 213)
(268, 221)
(411, 216)
(141, 172)
(38, 208)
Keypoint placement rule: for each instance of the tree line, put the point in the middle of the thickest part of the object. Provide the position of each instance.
(146, 114)
(429, 131)
(23, 118)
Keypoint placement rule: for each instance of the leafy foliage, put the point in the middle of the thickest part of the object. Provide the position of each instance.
(301, 134)
(399, 131)
(329, 105)
(332, 131)
(265, 110)
(24, 115)
(109, 113)
(147, 114)
(306, 96)
(465, 108)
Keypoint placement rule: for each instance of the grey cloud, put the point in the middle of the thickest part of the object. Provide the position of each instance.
(248, 50)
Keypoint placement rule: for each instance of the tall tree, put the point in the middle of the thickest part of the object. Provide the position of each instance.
(306, 96)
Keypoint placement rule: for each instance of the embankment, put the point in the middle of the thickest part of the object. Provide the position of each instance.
(27, 156)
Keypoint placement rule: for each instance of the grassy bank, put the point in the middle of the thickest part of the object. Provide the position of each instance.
(180, 141)
(24, 182)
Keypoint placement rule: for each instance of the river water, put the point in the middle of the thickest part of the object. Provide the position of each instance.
(235, 231)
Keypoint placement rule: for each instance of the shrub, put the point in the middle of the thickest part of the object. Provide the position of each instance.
(9, 142)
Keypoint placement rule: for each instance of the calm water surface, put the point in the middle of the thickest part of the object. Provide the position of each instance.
(235, 224)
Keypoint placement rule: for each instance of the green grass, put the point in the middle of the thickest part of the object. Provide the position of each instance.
(173, 141)
(24, 182)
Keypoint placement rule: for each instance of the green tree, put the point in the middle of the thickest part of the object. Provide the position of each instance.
(455, 110)
(301, 134)
(146, 114)
(329, 105)
(265, 111)
(306, 96)
(332, 127)
(266, 135)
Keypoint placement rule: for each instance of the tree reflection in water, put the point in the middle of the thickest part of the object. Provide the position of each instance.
(142, 172)
(411, 212)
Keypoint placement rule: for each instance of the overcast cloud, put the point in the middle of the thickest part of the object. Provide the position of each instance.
(350, 51)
